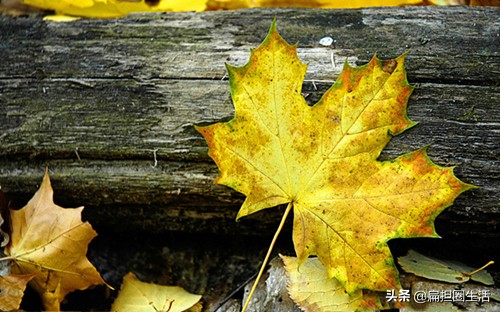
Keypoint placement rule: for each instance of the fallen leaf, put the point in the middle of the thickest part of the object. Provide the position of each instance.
(114, 8)
(441, 270)
(51, 242)
(12, 288)
(312, 289)
(137, 296)
(322, 160)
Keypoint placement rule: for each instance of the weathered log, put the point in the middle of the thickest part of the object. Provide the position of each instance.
(109, 105)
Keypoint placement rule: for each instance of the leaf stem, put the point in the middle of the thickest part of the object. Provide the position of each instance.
(481, 268)
(266, 259)
(7, 258)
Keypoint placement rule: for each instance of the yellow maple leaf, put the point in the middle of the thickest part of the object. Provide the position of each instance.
(137, 296)
(51, 242)
(12, 288)
(322, 161)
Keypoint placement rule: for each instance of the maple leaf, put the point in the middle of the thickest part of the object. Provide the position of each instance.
(141, 297)
(51, 242)
(322, 161)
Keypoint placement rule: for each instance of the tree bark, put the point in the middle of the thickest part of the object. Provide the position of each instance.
(109, 106)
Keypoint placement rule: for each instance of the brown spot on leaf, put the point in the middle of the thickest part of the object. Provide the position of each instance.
(389, 66)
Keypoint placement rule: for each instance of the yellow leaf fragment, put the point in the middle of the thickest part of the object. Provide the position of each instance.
(12, 288)
(51, 300)
(137, 296)
(114, 8)
(60, 18)
(51, 242)
(312, 290)
(323, 159)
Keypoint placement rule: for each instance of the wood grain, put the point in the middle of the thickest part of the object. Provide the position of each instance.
(109, 106)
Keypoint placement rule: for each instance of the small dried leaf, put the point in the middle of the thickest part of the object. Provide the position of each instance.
(51, 242)
(137, 296)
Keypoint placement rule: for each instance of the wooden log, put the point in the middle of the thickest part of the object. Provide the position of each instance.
(109, 106)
